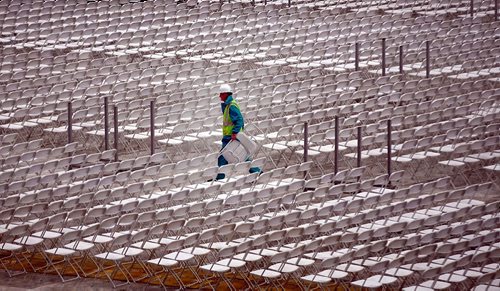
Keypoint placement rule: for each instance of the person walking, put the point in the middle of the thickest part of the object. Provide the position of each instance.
(232, 124)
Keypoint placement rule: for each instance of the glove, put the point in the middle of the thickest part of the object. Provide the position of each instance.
(233, 136)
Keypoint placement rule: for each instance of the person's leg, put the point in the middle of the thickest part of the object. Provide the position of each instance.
(221, 161)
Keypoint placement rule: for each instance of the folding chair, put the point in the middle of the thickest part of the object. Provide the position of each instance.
(14, 249)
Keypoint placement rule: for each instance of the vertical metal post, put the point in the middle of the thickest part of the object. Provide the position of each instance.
(265, 2)
(389, 147)
(471, 8)
(115, 131)
(427, 59)
(401, 59)
(152, 126)
(383, 57)
(289, 3)
(106, 124)
(70, 123)
(306, 146)
(496, 10)
(356, 56)
(358, 164)
(336, 148)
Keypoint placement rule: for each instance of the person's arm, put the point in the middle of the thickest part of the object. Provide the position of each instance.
(236, 118)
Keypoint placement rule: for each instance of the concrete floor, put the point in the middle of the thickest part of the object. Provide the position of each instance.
(42, 282)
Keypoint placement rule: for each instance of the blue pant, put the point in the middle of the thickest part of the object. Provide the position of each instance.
(222, 161)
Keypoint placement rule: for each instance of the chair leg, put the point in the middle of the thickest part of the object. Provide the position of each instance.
(62, 272)
(82, 264)
(11, 273)
(115, 271)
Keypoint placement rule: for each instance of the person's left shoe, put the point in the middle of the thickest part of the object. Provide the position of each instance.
(255, 170)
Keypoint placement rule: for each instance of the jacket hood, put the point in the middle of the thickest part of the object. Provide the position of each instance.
(229, 99)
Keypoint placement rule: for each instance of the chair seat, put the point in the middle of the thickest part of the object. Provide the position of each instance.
(350, 268)
(316, 279)
(334, 274)
(60, 251)
(248, 257)
(80, 245)
(29, 241)
(266, 273)
(196, 251)
(129, 251)
(485, 156)
(215, 268)
(10, 247)
(284, 268)
(301, 261)
(170, 141)
(436, 285)
(488, 268)
(179, 256)
(402, 159)
(265, 252)
(146, 245)
(163, 262)
(399, 272)
(327, 148)
(99, 239)
(420, 266)
(452, 278)
(376, 281)
(217, 245)
(110, 256)
(163, 240)
(452, 163)
(48, 234)
(232, 263)
(469, 273)
(275, 146)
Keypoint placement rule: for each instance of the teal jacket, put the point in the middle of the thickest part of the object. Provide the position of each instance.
(234, 114)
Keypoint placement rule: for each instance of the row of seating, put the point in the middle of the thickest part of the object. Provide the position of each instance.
(421, 215)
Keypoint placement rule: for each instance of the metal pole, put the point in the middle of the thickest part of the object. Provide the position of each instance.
(401, 59)
(152, 126)
(389, 147)
(336, 152)
(471, 8)
(383, 57)
(115, 132)
(427, 59)
(356, 56)
(306, 133)
(70, 123)
(106, 124)
(358, 164)
(496, 10)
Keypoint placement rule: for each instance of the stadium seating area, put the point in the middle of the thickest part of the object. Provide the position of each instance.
(378, 124)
